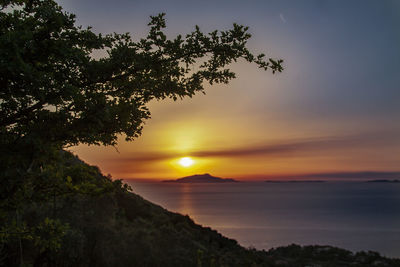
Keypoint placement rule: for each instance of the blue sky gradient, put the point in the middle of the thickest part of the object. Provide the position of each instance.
(342, 76)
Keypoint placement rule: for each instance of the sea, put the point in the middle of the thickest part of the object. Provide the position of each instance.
(352, 215)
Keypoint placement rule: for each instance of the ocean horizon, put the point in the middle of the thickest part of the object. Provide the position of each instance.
(351, 215)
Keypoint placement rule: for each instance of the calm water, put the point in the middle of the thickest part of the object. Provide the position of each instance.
(355, 216)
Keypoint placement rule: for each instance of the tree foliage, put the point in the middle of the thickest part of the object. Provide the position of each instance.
(53, 88)
(54, 93)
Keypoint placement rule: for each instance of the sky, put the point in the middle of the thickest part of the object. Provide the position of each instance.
(334, 111)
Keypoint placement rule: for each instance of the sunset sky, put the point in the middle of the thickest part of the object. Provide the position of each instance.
(335, 108)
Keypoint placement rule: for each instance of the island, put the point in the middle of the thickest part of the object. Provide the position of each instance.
(294, 181)
(384, 181)
(201, 178)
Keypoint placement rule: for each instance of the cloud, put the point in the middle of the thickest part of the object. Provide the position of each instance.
(279, 148)
(283, 148)
(283, 19)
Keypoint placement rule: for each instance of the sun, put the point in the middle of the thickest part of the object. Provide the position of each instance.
(186, 162)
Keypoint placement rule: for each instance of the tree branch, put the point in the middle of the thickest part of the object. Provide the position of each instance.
(16, 117)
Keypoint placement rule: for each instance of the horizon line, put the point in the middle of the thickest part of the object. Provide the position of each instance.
(324, 176)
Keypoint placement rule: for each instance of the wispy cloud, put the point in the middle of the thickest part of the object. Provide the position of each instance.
(283, 148)
(280, 148)
(283, 19)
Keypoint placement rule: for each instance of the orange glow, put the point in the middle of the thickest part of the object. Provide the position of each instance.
(227, 142)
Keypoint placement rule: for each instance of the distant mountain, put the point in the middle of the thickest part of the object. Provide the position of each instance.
(201, 178)
(294, 181)
(383, 181)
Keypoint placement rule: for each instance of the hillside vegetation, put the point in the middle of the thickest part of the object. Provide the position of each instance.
(115, 227)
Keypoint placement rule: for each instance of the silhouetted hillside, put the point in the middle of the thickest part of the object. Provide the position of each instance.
(120, 228)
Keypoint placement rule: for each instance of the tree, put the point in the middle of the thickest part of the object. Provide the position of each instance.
(54, 93)
(53, 89)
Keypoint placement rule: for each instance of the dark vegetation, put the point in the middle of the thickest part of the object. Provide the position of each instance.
(119, 228)
(57, 211)
(54, 94)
